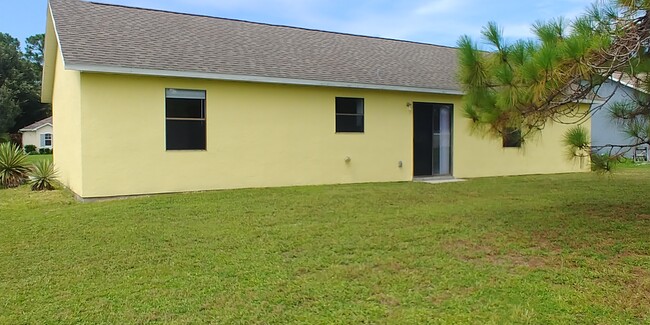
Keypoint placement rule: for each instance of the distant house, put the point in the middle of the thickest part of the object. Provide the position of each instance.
(605, 130)
(39, 134)
(148, 101)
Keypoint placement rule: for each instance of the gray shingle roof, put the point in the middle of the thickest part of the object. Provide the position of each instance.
(92, 34)
(36, 125)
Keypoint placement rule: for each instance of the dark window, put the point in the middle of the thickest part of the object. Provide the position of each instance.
(512, 138)
(349, 114)
(47, 137)
(185, 119)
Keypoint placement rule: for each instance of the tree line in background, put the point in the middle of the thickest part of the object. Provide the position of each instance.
(20, 83)
(527, 84)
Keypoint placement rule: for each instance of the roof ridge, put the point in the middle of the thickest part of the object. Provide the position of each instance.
(269, 24)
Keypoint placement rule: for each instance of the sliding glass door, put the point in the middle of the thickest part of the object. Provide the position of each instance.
(432, 139)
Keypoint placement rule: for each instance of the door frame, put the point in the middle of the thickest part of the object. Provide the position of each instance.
(451, 138)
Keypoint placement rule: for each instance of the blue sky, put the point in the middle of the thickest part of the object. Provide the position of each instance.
(431, 21)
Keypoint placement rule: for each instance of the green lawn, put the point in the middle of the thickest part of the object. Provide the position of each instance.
(539, 249)
(35, 158)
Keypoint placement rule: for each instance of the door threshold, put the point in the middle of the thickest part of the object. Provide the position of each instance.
(437, 179)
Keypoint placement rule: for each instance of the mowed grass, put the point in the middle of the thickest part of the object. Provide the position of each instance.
(537, 249)
(34, 158)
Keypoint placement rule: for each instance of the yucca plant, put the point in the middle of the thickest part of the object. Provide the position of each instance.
(42, 176)
(14, 165)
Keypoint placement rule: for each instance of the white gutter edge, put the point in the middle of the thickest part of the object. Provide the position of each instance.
(274, 80)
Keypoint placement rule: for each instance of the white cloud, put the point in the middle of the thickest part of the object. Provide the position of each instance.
(439, 7)
(517, 31)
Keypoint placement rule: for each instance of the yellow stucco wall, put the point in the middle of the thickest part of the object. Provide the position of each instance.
(34, 137)
(258, 135)
(66, 121)
(262, 135)
(543, 153)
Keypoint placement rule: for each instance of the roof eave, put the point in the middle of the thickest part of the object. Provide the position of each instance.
(591, 101)
(627, 84)
(49, 58)
(36, 128)
(243, 78)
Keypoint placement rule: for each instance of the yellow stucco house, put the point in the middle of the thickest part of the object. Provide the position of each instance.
(147, 101)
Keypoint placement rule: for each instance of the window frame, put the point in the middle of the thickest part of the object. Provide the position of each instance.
(45, 139)
(203, 115)
(508, 142)
(357, 115)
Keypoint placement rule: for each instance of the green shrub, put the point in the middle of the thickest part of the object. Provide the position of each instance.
(42, 176)
(14, 165)
(30, 149)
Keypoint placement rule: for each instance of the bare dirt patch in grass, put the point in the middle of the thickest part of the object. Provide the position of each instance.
(482, 252)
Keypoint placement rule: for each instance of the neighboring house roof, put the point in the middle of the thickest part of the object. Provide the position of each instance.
(37, 125)
(118, 39)
(633, 82)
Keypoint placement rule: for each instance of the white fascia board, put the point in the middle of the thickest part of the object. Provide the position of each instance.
(591, 102)
(50, 52)
(35, 129)
(627, 84)
(229, 77)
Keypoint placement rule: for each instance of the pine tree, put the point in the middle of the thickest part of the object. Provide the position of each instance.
(527, 84)
(20, 83)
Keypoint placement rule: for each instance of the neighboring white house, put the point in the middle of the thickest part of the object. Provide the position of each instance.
(604, 130)
(38, 134)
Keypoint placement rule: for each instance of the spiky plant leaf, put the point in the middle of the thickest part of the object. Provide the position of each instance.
(551, 32)
(14, 165)
(576, 140)
(42, 176)
(470, 112)
(493, 34)
(603, 163)
(473, 67)
(637, 129)
(622, 110)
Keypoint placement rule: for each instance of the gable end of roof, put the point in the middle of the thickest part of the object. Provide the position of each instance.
(37, 125)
